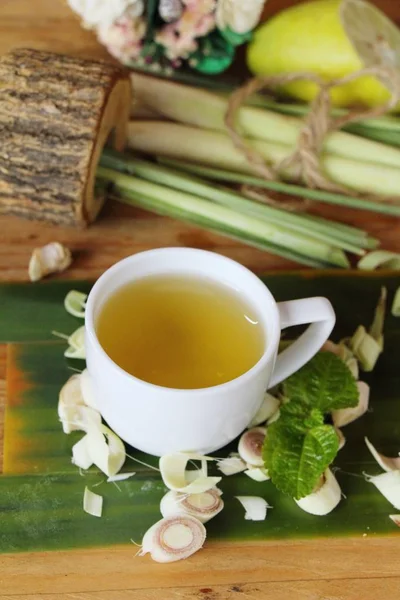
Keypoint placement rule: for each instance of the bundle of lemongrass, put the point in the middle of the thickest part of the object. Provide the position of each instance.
(187, 134)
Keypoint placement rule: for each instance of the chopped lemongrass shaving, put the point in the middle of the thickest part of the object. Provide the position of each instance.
(231, 465)
(324, 499)
(87, 389)
(74, 414)
(344, 416)
(274, 417)
(389, 486)
(379, 258)
(387, 463)
(366, 349)
(376, 329)
(203, 506)
(174, 538)
(120, 477)
(396, 304)
(250, 446)
(174, 474)
(92, 503)
(342, 439)
(74, 303)
(255, 507)
(106, 450)
(257, 473)
(81, 454)
(76, 343)
(268, 407)
(395, 519)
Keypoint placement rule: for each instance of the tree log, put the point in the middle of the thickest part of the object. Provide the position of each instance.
(56, 114)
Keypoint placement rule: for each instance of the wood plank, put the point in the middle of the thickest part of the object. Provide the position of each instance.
(218, 564)
(354, 589)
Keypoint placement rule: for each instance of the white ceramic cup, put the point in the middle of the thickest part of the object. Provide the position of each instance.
(161, 420)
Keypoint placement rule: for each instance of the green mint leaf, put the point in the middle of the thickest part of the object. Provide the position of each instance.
(325, 383)
(296, 456)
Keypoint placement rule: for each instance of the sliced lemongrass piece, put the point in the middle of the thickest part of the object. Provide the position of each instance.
(344, 416)
(325, 498)
(81, 454)
(174, 538)
(255, 507)
(366, 349)
(352, 364)
(174, 474)
(250, 446)
(341, 437)
(76, 343)
(106, 450)
(231, 465)
(120, 477)
(387, 463)
(389, 486)
(87, 390)
(257, 473)
(52, 258)
(203, 506)
(376, 329)
(269, 406)
(395, 519)
(379, 258)
(92, 503)
(396, 304)
(73, 413)
(74, 303)
(274, 417)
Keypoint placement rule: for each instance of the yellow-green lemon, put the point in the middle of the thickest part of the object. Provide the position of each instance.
(331, 38)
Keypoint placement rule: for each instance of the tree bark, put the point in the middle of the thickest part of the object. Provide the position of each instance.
(56, 114)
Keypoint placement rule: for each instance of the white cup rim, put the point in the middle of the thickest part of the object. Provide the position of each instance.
(268, 354)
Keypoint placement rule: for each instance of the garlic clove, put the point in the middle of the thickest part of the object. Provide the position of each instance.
(204, 506)
(387, 463)
(326, 497)
(342, 439)
(268, 408)
(250, 446)
(174, 538)
(344, 416)
(52, 258)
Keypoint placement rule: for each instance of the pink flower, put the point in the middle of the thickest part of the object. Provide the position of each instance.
(179, 38)
(123, 39)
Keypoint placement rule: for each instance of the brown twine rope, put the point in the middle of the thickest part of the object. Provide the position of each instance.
(305, 162)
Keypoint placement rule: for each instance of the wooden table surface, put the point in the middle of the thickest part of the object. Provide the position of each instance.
(351, 569)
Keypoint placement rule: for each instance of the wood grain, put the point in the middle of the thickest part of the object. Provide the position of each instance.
(323, 570)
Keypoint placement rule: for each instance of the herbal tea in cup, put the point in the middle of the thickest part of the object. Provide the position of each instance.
(180, 331)
(181, 345)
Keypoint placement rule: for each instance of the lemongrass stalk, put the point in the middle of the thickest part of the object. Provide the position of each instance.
(282, 187)
(205, 109)
(215, 149)
(204, 212)
(386, 122)
(324, 231)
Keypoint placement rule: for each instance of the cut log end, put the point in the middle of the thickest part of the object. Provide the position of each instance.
(56, 115)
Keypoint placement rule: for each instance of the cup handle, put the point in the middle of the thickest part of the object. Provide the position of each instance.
(320, 313)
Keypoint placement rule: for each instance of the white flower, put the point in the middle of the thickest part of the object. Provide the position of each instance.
(239, 15)
(97, 13)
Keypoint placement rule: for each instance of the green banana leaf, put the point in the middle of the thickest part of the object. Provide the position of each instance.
(41, 492)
